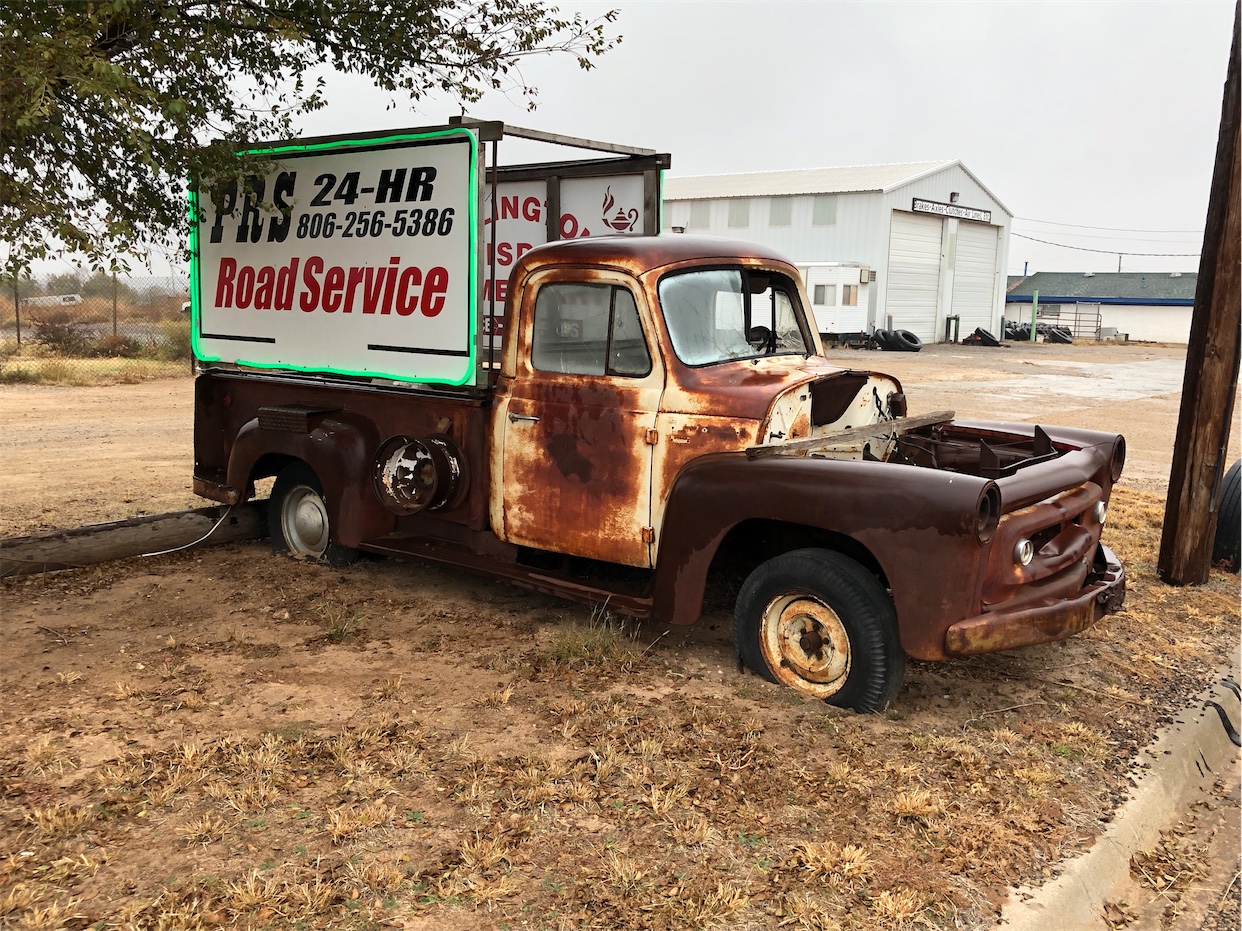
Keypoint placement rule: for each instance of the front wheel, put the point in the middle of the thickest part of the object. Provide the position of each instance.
(820, 623)
(297, 518)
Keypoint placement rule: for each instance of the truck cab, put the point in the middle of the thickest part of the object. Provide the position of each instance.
(631, 358)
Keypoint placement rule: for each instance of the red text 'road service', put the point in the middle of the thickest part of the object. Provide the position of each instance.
(366, 289)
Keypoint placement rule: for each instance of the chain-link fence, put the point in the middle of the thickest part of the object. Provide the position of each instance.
(78, 329)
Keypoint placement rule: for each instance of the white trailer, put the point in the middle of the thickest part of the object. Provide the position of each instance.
(840, 298)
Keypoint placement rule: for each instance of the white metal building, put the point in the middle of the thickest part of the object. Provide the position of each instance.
(935, 238)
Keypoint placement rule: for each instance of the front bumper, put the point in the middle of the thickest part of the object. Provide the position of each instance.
(1104, 592)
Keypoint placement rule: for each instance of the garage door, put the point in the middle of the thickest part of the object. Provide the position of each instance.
(914, 273)
(974, 276)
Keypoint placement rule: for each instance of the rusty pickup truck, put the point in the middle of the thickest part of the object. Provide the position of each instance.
(659, 408)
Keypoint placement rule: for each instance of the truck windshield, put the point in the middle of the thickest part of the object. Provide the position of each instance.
(724, 314)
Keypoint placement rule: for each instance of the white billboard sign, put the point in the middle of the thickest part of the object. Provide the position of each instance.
(354, 258)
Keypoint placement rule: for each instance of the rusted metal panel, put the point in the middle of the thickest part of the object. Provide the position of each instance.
(684, 438)
(345, 423)
(637, 255)
(1064, 532)
(916, 523)
(1057, 618)
(574, 465)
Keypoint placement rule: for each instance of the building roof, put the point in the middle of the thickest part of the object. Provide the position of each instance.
(853, 178)
(1167, 288)
(850, 179)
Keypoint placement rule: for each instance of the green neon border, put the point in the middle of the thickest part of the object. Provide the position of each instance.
(472, 324)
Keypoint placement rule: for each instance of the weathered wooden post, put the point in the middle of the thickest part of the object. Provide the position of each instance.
(1211, 377)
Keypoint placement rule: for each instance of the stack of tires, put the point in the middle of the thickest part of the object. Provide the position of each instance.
(896, 341)
(1021, 332)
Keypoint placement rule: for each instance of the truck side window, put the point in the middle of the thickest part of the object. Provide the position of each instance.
(588, 329)
(627, 350)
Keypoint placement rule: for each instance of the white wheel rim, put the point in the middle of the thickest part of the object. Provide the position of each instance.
(304, 522)
(805, 645)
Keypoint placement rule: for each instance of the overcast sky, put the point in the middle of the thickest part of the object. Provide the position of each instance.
(1090, 113)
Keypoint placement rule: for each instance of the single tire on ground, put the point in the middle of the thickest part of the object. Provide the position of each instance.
(1059, 334)
(1226, 543)
(297, 518)
(905, 341)
(881, 338)
(986, 338)
(820, 623)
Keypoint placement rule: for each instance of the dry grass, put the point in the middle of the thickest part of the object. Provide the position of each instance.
(593, 784)
(59, 820)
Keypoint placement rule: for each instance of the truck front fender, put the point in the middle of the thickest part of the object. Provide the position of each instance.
(340, 448)
(917, 524)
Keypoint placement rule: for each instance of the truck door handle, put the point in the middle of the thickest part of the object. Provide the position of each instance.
(514, 418)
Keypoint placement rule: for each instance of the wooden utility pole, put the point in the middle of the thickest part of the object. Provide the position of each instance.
(1211, 376)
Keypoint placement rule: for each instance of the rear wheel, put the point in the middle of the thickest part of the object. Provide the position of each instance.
(298, 521)
(820, 623)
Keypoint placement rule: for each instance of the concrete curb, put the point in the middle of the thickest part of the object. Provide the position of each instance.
(1182, 764)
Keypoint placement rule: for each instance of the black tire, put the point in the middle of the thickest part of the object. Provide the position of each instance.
(986, 338)
(1059, 334)
(297, 518)
(825, 593)
(905, 341)
(881, 337)
(1226, 543)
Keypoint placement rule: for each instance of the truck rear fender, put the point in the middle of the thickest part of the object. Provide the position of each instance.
(340, 448)
(915, 528)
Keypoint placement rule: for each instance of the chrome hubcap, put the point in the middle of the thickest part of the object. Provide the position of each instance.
(304, 522)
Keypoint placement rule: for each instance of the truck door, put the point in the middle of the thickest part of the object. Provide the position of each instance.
(578, 419)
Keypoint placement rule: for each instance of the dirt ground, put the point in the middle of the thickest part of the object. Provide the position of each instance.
(221, 737)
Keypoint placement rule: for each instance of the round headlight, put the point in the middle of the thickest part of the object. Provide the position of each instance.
(987, 512)
(1118, 460)
(1101, 511)
(1023, 552)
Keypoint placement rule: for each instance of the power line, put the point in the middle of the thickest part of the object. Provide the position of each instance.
(1115, 238)
(1116, 229)
(1171, 255)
